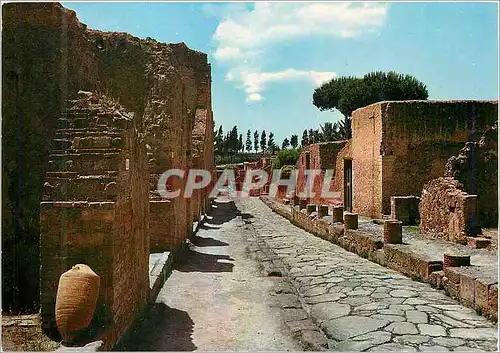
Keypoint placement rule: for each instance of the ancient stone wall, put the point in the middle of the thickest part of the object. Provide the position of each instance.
(399, 146)
(202, 140)
(95, 210)
(367, 161)
(420, 136)
(446, 211)
(45, 60)
(48, 56)
(476, 168)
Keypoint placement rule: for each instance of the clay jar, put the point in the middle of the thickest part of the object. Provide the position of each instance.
(76, 300)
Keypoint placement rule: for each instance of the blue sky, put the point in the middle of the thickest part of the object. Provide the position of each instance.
(267, 58)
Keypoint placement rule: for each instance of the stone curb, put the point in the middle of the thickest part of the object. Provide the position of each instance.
(162, 276)
(166, 270)
(464, 285)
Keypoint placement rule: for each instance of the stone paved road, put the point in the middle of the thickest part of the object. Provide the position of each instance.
(362, 306)
(217, 297)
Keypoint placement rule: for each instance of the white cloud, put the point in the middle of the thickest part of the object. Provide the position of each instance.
(243, 36)
(254, 97)
(228, 53)
(255, 81)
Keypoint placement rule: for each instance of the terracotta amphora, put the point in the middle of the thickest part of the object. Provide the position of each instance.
(76, 300)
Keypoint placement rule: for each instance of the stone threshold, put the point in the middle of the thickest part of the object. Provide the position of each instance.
(474, 286)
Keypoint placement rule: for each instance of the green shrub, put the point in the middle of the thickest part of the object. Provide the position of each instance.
(286, 157)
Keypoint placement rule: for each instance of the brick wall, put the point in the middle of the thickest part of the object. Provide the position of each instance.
(323, 156)
(104, 227)
(48, 57)
(420, 136)
(40, 45)
(179, 124)
(399, 146)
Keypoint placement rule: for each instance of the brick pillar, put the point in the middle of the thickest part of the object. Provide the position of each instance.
(393, 232)
(310, 208)
(470, 206)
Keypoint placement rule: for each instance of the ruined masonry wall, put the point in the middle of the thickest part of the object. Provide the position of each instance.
(48, 57)
(399, 146)
(446, 211)
(45, 60)
(97, 144)
(323, 156)
(476, 167)
(420, 136)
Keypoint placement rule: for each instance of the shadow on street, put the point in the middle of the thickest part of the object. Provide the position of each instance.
(161, 329)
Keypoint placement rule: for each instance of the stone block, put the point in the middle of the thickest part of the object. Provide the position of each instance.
(322, 210)
(467, 289)
(338, 214)
(482, 288)
(402, 259)
(453, 274)
(456, 260)
(478, 242)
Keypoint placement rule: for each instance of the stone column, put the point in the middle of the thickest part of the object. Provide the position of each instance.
(393, 232)
(338, 214)
(302, 204)
(322, 211)
(350, 220)
(310, 208)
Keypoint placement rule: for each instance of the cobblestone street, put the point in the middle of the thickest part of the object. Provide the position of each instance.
(218, 297)
(253, 281)
(360, 305)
